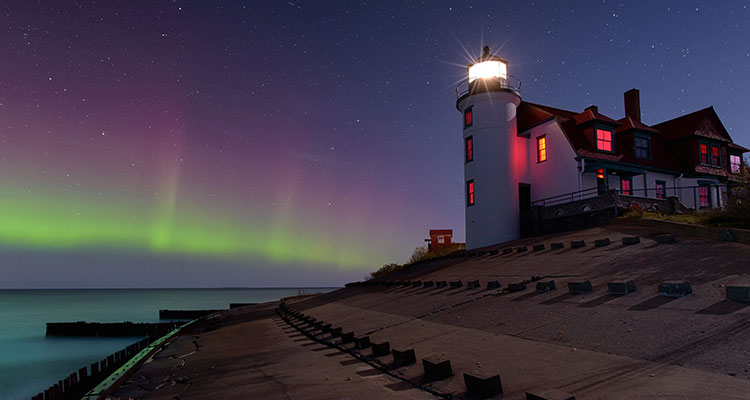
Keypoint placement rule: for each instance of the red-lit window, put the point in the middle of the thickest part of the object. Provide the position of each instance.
(470, 193)
(468, 117)
(625, 187)
(541, 148)
(600, 173)
(704, 201)
(715, 156)
(703, 153)
(661, 190)
(603, 140)
(469, 148)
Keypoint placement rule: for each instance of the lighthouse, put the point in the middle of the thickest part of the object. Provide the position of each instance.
(488, 101)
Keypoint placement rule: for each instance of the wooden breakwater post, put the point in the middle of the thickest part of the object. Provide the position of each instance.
(80, 382)
(109, 329)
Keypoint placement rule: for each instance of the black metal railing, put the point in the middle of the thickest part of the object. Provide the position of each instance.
(509, 82)
(568, 197)
(651, 193)
(668, 191)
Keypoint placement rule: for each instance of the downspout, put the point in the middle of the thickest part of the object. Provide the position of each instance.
(581, 168)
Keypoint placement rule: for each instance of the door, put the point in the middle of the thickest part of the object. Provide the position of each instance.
(524, 197)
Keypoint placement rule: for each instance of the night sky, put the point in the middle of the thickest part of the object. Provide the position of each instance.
(204, 144)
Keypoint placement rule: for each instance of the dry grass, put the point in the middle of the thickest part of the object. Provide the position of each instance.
(721, 219)
(419, 254)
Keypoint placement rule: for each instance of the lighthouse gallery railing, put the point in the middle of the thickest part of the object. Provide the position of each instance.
(511, 82)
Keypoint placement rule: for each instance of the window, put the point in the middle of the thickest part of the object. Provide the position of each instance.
(603, 140)
(704, 200)
(642, 147)
(734, 163)
(626, 186)
(470, 193)
(661, 190)
(469, 148)
(703, 153)
(541, 149)
(468, 117)
(716, 156)
(441, 239)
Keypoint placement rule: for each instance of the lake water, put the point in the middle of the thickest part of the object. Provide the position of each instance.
(30, 362)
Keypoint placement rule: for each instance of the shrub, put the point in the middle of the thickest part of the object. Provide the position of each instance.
(737, 207)
(634, 211)
(419, 254)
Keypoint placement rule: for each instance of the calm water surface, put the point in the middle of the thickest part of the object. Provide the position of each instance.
(29, 362)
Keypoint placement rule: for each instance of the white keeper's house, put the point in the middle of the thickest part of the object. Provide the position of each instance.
(518, 154)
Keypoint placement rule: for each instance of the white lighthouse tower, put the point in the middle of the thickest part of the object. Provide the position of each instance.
(488, 102)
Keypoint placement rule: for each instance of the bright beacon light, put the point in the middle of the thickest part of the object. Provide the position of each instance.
(488, 69)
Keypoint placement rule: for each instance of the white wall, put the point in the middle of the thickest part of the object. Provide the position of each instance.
(494, 218)
(588, 180)
(559, 174)
(669, 181)
(614, 181)
(689, 197)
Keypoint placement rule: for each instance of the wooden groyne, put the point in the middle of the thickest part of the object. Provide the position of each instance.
(77, 384)
(185, 314)
(109, 329)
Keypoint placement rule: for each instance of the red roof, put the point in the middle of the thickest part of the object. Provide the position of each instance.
(735, 146)
(628, 123)
(592, 114)
(436, 232)
(703, 122)
(666, 154)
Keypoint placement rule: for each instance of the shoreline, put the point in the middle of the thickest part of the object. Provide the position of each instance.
(33, 361)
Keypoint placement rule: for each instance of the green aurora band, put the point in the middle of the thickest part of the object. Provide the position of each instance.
(34, 220)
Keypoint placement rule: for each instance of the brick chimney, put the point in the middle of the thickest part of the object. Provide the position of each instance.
(633, 104)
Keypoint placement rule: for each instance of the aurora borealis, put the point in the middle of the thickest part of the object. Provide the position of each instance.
(296, 143)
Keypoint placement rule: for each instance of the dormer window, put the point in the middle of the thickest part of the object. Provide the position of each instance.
(703, 151)
(604, 140)
(716, 156)
(709, 154)
(642, 147)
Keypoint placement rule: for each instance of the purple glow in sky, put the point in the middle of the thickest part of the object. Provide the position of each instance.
(179, 143)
